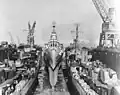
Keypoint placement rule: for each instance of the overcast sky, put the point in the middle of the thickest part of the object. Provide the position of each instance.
(15, 14)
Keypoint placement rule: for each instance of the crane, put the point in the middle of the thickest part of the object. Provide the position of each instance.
(103, 10)
(11, 38)
(109, 32)
(18, 39)
(107, 15)
(30, 37)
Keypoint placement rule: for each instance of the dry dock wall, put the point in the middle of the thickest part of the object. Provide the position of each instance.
(70, 85)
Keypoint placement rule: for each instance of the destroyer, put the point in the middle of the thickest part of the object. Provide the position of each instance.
(52, 57)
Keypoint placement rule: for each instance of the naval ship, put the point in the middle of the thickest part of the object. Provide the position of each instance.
(98, 70)
(50, 79)
(19, 66)
(53, 57)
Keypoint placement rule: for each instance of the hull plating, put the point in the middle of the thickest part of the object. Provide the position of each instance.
(111, 59)
(52, 59)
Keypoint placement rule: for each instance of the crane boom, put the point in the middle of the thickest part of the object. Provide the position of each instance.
(103, 12)
(11, 38)
(109, 33)
(30, 37)
(18, 40)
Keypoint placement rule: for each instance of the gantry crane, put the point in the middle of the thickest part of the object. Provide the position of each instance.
(109, 36)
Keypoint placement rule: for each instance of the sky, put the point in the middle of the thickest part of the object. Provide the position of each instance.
(15, 14)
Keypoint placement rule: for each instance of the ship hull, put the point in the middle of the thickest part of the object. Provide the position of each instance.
(110, 58)
(52, 59)
(53, 76)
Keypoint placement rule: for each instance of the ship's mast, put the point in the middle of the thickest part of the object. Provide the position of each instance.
(53, 43)
(76, 40)
(54, 26)
(77, 36)
(53, 36)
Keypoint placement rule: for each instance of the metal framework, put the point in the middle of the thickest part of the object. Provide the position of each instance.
(30, 37)
(11, 38)
(102, 10)
(110, 36)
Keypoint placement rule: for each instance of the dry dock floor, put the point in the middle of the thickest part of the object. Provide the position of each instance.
(44, 87)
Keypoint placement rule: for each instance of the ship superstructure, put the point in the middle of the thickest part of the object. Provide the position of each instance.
(53, 56)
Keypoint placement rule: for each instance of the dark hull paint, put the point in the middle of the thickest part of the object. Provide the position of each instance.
(70, 84)
(110, 58)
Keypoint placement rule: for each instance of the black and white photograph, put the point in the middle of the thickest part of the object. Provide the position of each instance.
(59, 47)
